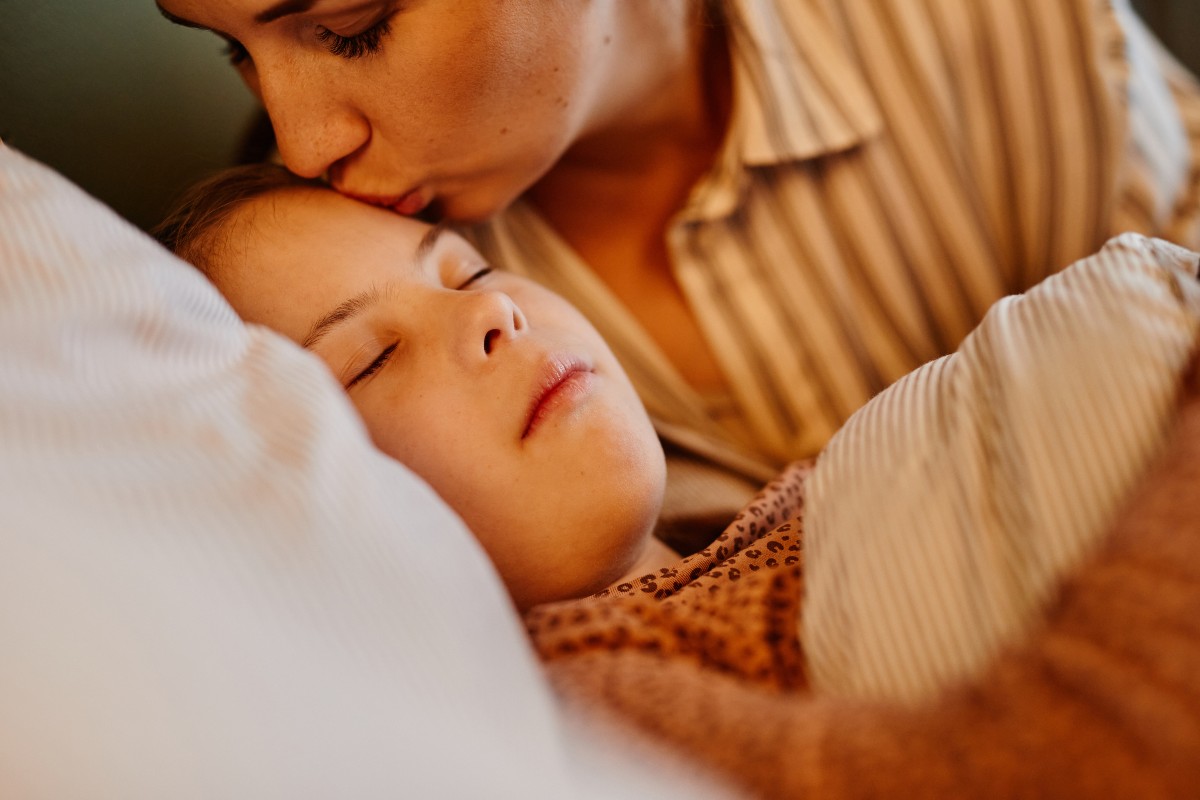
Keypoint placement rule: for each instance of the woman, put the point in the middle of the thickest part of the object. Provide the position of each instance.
(770, 208)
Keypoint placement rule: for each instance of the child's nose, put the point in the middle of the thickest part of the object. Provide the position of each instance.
(494, 320)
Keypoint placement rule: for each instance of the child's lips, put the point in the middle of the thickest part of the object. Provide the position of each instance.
(563, 380)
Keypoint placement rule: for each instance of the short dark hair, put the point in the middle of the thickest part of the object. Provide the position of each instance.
(190, 227)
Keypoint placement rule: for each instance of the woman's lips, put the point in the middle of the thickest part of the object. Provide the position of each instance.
(408, 204)
(562, 382)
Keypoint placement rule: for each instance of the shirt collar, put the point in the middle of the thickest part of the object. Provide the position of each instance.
(798, 92)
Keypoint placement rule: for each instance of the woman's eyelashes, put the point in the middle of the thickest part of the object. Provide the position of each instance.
(358, 45)
(235, 52)
(349, 47)
(376, 365)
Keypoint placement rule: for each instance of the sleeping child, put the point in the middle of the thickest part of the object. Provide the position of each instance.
(494, 390)
(941, 524)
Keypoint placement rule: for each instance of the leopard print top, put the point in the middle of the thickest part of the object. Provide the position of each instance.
(734, 607)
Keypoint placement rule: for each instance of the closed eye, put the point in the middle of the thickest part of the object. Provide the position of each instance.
(376, 365)
(359, 45)
(382, 359)
(474, 278)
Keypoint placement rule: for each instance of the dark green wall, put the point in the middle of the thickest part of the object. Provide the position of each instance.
(1177, 23)
(127, 105)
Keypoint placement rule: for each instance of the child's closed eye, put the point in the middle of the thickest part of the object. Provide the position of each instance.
(373, 367)
(382, 359)
(482, 272)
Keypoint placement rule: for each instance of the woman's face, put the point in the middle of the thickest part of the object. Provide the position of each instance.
(408, 103)
(495, 390)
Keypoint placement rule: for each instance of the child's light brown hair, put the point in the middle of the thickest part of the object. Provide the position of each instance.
(196, 228)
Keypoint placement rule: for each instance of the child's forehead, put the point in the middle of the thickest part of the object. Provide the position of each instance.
(317, 213)
(317, 227)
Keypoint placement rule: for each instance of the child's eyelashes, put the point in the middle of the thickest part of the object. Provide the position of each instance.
(479, 274)
(376, 365)
(385, 356)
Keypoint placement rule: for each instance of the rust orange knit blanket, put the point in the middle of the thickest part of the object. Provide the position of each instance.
(1102, 701)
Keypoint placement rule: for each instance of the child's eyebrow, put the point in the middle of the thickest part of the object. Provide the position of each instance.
(345, 311)
(360, 302)
(429, 240)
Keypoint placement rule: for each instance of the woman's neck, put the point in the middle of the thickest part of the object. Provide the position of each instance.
(614, 194)
(658, 117)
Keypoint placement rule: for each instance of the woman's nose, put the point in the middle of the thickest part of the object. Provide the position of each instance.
(491, 321)
(314, 126)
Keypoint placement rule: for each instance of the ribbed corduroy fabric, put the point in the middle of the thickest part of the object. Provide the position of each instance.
(947, 512)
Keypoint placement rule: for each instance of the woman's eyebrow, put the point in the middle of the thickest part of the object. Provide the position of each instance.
(187, 23)
(277, 11)
(283, 9)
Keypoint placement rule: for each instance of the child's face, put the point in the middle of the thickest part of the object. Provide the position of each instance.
(495, 390)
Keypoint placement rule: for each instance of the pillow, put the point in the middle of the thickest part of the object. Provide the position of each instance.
(211, 584)
(946, 513)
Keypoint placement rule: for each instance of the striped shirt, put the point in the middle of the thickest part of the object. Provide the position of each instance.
(891, 169)
(945, 516)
